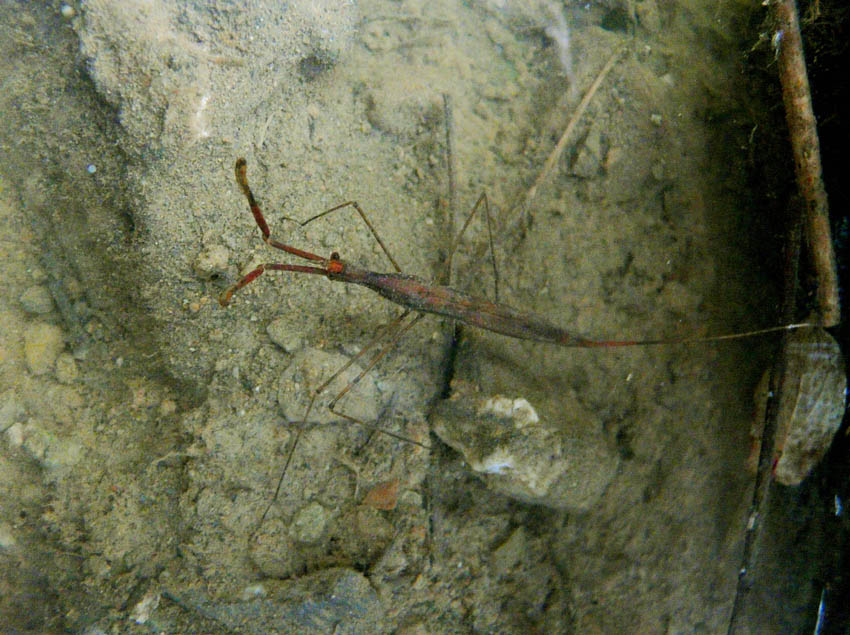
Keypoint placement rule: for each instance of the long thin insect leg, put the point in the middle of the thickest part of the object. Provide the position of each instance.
(392, 328)
(394, 332)
(492, 249)
(378, 357)
(242, 179)
(224, 297)
(366, 220)
(482, 200)
(450, 168)
(289, 455)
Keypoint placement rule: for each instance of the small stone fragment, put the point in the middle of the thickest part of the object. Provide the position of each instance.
(373, 527)
(211, 261)
(141, 613)
(510, 553)
(332, 600)
(521, 456)
(7, 537)
(283, 333)
(42, 344)
(11, 409)
(15, 435)
(309, 523)
(55, 454)
(274, 552)
(36, 300)
(811, 406)
(66, 368)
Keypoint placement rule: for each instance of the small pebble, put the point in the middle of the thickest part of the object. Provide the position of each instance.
(11, 410)
(67, 11)
(308, 525)
(374, 528)
(15, 435)
(211, 261)
(141, 613)
(42, 344)
(510, 553)
(282, 333)
(36, 300)
(38, 274)
(66, 368)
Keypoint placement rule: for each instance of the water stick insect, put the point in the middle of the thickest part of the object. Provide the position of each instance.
(419, 297)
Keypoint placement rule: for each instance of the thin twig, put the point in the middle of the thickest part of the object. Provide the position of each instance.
(515, 215)
(568, 131)
(802, 128)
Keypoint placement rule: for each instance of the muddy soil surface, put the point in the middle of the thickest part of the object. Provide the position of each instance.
(146, 428)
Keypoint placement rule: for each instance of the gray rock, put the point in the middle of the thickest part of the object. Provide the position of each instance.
(521, 456)
(36, 300)
(42, 344)
(335, 600)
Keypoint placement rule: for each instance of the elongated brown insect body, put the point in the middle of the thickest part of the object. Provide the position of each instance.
(419, 295)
